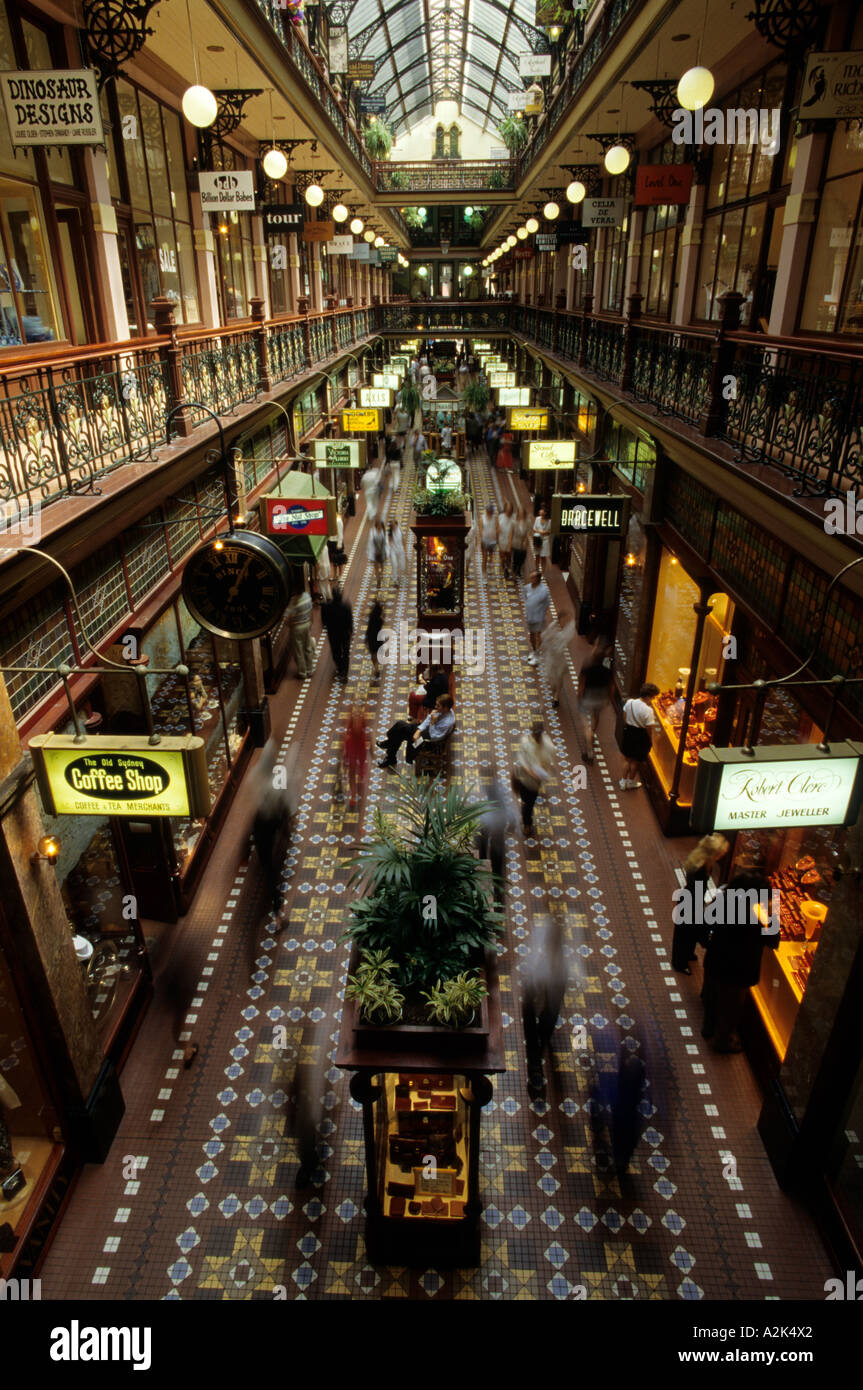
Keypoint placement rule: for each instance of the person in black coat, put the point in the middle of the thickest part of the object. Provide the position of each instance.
(437, 684)
(689, 931)
(373, 639)
(732, 961)
(338, 620)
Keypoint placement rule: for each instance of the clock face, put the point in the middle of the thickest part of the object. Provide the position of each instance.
(237, 586)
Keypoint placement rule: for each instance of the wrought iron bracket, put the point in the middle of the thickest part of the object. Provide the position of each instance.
(115, 31)
(788, 24)
(231, 101)
(664, 100)
(588, 174)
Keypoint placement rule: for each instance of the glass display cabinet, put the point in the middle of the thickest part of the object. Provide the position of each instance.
(440, 552)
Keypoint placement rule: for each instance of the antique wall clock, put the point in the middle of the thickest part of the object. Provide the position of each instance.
(237, 585)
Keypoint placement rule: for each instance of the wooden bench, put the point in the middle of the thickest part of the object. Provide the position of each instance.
(433, 758)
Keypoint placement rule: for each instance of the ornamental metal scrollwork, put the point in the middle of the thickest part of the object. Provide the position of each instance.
(115, 31)
(788, 24)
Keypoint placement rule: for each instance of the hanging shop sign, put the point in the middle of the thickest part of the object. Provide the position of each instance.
(339, 453)
(443, 475)
(500, 151)
(551, 453)
(338, 48)
(602, 212)
(768, 789)
(513, 395)
(388, 253)
(535, 418)
(340, 246)
(391, 380)
(319, 231)
(534, 65)
(282, 217)
(832, 87)
(53, 107)
(545, 241)
(379, 396)
(360, 421)
(128, 776)
(294, 516)
(362, 69)
(232, 191)
(572, 234)
(372, 105)
(515, 102)
(657, 184)
(361, 251)
(589, 514)
(500, 378)
(479, 347)
(523, 253)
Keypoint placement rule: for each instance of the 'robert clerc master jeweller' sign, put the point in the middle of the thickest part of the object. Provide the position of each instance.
(128, 776)
(769, 789)
(53, 107)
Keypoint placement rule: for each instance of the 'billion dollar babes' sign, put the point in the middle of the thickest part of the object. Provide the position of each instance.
(121, 776)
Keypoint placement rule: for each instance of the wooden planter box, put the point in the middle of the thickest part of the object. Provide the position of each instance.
(427, 1038)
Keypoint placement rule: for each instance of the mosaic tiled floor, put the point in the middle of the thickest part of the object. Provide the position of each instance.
(210, 1209)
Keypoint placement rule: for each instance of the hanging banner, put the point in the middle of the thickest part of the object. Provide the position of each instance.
(228, 192)
(528, 419)
(514, 102)
(657, 184)
(777, 786)
(282, 217)
(362, 69)
(285, 516)
(338, 48)
(124, 776)
(513, 395)
(339, 453)
(379, 396)
(587, 514)
(534, 65)
(393, 380)
(551, 453)
(51, 107)
(319, 231)
(388, 253)
(832, 87)
(602, 212)
(496, 379)
(545, 241)
(360, 421)
(341, 246)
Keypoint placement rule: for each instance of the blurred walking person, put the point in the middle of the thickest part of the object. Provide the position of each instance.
(271, 826)
(377, 551)
(355, 750)
(493, 827)
(299, 614)
(373, 639)
(532, 767)
(543, 986)
(505, 526)
(594, 688)
(520, 534)
(338, 620)
(396, 553)
(555, 646)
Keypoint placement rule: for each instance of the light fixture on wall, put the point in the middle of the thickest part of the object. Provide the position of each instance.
(48, 849)
(340, 213)
(379, 241)
(575, 191)
(511, 241)
(423, 272)
(357, 225)
(275, 164)
(695, 88)
(199, 105)
(532, 225)
(314, 195)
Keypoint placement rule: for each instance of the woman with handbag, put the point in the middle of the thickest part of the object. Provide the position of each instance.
(531, 769)
(639, 722)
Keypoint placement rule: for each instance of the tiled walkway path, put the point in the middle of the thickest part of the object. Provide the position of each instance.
(211, 1210)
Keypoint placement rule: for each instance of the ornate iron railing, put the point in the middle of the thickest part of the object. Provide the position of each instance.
(672, 370)
(433, 318)
(67, 421)
(443, 175)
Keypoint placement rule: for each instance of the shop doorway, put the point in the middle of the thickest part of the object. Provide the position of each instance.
(132, 289)
(79, 290)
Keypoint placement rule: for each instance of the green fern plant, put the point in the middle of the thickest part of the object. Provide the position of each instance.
(476, 396)
(455, 1000)
(415, 218)
(513, 133)
(496, 180)
(379, 139)
(428, 503)
(409, 398)
(399, 180)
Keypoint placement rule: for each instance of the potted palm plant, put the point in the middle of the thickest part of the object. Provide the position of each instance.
(476, 396)
(429, 908)
(409, 398)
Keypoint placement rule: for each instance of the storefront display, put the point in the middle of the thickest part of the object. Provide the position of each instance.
(675, 643)
(419, 1118)
(440, 581)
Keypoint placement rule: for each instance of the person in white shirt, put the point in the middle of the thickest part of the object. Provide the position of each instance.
(531, 769)
(488, 534)
(436, 726)
(542, 539)
(371, 485)
(446, 439)
(639, 724)
(377, 551)
(396, 552)
(505, 524)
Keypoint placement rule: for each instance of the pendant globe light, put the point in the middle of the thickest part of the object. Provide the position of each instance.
(617, 159)
(314, 195)
(551, 211)
(522, 233)
(575, 191)
(695, 88)
(340, 213)
(199, 105)
(275, 164)
(357, 225)
(532, 225)
(379, 241)
(369, 236)
(511, 241)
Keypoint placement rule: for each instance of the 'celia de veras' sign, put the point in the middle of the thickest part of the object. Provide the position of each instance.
(777, 786)
(232, 191)
(53, 107)
(588, 514)
(602, 212)
(124, 776)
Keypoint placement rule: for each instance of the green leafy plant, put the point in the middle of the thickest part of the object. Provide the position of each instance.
(399, 179)
(496, 180)
(455, 1000)
(428, 901)
(428, 503)
(379, 139)
(476, 218)
(476, 396)
(513, 133)
(409, 398)
(415, 218)
(378, 965)
(376, 997)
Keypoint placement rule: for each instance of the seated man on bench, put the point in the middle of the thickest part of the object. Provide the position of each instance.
(436, 726)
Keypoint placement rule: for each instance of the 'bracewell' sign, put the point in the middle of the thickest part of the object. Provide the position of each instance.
(583, 514)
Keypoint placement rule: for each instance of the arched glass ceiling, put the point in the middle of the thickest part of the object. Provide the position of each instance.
(443, 50)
